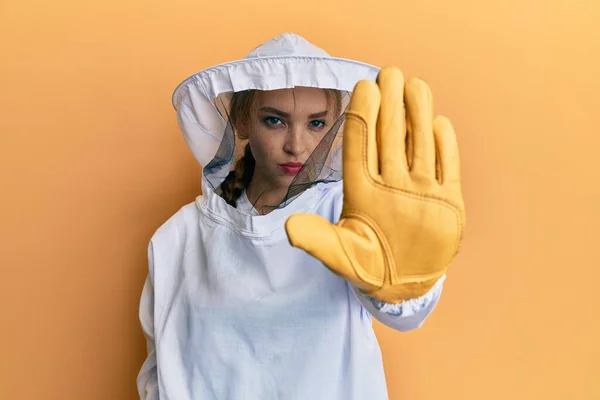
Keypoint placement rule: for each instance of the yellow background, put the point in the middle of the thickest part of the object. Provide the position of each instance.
(92, 162)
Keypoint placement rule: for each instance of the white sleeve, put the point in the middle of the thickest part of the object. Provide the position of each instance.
(147, 379)
(406, 315)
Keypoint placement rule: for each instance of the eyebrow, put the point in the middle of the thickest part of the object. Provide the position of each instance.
(283, 114)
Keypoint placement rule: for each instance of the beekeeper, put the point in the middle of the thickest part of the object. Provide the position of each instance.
(265, 287)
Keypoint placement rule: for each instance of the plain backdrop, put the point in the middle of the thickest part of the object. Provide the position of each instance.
(92, 162)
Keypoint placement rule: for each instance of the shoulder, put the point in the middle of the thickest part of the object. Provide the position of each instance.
(173, 231)
(169, 241)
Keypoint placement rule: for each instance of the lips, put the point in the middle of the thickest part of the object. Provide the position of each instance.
(291, 168)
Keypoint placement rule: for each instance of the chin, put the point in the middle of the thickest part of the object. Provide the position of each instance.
(284, 181)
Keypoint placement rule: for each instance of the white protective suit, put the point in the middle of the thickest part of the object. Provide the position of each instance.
(230, 309)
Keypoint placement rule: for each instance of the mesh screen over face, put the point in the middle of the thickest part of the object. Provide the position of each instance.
(324, 165)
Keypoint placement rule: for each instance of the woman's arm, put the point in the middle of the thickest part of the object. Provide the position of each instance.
(406, 315)
(147, 379)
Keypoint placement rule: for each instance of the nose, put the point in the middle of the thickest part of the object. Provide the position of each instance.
(293, 142)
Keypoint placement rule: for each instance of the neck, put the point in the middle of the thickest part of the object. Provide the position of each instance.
(264, 197)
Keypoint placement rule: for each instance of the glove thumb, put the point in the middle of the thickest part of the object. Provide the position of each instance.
(329, 243)
(315, 235)
(318, 237)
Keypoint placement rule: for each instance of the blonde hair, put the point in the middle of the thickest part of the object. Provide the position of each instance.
(239, 178)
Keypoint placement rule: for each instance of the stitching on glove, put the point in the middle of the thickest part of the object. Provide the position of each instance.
(387, 259)
(379, 185)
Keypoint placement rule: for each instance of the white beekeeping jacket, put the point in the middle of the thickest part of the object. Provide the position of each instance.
(230, 309)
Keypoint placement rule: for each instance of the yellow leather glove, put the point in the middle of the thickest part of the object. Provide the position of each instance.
(403, 213)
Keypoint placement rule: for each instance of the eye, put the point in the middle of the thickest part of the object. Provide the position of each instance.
(317, 124)
(272, 121)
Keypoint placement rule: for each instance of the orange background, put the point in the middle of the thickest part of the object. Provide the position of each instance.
(92, 162)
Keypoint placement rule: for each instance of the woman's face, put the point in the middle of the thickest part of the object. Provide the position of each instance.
(285, 127)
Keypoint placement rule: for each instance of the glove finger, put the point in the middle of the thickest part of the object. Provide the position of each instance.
(391, 127)
(447, 146)
(342, 250)
(360, 143)
(419, 111)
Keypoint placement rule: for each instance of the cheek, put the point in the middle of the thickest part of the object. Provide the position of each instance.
(264, 147)
(314, 141)
(311, 141)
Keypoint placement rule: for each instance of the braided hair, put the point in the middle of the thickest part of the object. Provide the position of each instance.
(239, 179)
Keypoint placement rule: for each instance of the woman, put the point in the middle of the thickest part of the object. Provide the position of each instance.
(230, 308)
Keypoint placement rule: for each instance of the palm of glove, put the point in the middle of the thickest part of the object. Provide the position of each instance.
(403, 214)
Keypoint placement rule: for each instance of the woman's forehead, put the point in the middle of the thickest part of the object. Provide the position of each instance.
(299, 99)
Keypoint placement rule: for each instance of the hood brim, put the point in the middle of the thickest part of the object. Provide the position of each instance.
(194, 98)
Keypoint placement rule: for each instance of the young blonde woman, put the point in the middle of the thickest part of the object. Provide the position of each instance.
(265, 287)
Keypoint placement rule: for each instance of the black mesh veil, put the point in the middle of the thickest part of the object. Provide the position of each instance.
(324, 164)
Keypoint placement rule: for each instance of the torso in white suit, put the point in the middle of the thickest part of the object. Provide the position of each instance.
(233, 311)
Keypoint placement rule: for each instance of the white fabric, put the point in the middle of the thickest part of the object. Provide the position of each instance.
(231, 310)
(245, 206)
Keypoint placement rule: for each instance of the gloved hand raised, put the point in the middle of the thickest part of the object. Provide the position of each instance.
(403, 213)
